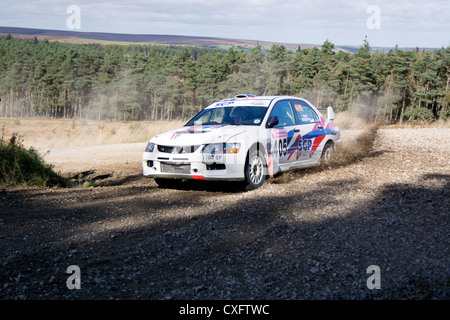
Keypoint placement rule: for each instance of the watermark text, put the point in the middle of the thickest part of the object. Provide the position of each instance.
(374, 20)
(73, 22)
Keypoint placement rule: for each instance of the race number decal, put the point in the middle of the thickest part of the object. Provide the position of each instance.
(280, 147)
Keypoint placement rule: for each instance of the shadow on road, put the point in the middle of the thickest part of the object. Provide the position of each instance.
(307, 245)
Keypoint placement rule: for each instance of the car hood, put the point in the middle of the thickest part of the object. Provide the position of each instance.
(197, 135)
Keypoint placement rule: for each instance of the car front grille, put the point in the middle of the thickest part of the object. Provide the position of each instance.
(177, 149)
(168, 167)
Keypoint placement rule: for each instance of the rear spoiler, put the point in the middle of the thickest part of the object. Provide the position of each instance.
(330, 112)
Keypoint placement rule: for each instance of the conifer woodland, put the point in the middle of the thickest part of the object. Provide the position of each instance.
(40, 78)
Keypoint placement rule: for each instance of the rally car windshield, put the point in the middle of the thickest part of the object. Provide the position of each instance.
(234, 115)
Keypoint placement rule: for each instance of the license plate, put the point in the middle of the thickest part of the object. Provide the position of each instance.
(213, 158)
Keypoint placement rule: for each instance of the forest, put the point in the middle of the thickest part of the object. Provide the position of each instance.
(123, 82)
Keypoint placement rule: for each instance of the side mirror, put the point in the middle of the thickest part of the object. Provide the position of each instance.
(273, 121)
(330, 111)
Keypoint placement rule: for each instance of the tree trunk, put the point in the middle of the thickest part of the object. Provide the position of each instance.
(403, 106)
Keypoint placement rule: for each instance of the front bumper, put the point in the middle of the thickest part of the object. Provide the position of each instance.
(193, 166)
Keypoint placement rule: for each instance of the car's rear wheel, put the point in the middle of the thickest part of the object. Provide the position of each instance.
(255, 170)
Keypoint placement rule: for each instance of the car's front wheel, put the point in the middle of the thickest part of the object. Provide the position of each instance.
(255, 170)
(327, 153)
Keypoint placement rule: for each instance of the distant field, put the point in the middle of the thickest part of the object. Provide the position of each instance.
(51, 134)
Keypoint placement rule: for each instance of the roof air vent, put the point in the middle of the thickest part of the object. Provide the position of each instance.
(244, 96)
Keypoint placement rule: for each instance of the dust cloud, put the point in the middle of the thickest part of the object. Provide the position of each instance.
(355, 150)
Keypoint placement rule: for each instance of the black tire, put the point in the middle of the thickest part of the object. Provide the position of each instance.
(327, 153)
(255, 170)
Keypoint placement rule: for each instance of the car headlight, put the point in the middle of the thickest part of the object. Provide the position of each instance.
(150, 147)
(221, 148)
(232, 147)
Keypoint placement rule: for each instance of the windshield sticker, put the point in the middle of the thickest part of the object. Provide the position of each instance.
(224, 103)
(263, 103)
(241, 103)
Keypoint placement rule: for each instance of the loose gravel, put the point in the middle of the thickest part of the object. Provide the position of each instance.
(308, 234)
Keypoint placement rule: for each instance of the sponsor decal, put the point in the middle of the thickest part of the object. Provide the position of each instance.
(278, 133)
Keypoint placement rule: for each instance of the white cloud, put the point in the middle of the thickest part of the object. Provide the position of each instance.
(307, 21)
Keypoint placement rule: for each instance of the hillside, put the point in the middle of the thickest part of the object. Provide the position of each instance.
(99, 37)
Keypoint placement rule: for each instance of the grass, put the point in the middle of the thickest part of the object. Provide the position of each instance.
(22, 167)
(437, 124)
(22, 163)
(349, 121)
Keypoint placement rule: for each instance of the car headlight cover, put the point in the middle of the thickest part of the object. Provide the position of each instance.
(150, 147)
(221, 148)
(232, 147)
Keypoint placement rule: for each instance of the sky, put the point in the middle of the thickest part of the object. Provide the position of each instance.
(386, 23)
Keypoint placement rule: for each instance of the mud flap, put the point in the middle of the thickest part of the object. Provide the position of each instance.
(270, 166)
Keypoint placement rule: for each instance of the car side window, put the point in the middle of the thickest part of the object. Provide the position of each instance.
(305, 114)
(283, 111)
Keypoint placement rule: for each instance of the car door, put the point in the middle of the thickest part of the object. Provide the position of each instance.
(311, 133)
(283, 136)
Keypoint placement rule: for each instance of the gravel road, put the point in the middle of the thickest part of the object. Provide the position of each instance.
(309, 234)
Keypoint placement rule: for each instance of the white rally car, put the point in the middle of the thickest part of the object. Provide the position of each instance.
(245, 138)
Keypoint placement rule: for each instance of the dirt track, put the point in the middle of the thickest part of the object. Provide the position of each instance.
(310, 234)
